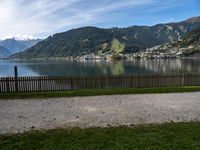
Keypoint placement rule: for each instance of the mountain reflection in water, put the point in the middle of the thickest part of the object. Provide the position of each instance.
(63, 68)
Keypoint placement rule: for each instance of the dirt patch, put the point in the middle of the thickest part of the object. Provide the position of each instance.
(24, 115)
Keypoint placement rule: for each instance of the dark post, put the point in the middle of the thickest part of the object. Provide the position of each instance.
(188, 80)
(40, 84)
(86, 86)
(72, 87)
(16, 76)
(183, 80)
(110, 82)
(0, 84)
(95, 82)
(131, 82)
(101, 82)
(7, 85)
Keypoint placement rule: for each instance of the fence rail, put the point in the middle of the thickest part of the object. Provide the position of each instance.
(62, 83)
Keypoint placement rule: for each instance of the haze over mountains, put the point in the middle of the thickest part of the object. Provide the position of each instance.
(87, 40)
(4, 52)
(13, 46)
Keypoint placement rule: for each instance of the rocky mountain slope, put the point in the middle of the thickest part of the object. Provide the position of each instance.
(112, 41)
(188, 46)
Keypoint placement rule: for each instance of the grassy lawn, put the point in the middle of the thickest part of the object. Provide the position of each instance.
(95, 92)
(172, 136)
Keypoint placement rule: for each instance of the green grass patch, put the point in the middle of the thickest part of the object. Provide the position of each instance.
(100, 53)
(173, 136)
(96, 92)
(117, 47)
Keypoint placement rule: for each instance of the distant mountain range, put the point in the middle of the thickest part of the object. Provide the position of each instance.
(15, 46)
(4, 52)
(113, 41)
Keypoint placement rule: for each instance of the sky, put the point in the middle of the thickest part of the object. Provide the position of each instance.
(27, 19)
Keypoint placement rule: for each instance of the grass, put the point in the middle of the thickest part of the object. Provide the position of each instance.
(173, 136)
(95, 92)
(117, 47)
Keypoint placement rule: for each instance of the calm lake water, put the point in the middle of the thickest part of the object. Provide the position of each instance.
(63, 68)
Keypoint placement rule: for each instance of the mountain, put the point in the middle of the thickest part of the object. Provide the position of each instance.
(87, 40)
(29, 43)
(13, 45)
(188, 46)
(17, 45)
(4, 52)
(191, 39)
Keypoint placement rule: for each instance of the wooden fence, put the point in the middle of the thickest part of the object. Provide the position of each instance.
(62, 83)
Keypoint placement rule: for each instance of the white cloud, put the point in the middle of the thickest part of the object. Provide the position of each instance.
(17, 37)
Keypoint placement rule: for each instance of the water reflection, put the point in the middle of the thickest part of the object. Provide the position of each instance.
(118, 68)
(165, 66)
(62, 68)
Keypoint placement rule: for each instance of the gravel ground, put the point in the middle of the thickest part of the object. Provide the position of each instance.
(24, 115)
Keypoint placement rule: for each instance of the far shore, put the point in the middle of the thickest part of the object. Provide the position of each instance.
(71, 59)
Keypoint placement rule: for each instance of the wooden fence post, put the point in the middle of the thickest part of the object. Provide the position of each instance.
(72, 87)
(188, 80)
(86, 86)
(0, 83)
(40, 84)
(183, 80)
(101, 83)
(16, 80)
(7, 84)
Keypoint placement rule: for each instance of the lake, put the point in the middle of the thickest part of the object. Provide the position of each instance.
(63, 68)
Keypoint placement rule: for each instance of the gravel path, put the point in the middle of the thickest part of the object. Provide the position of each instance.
(24, 115)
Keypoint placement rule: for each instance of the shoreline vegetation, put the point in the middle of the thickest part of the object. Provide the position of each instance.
(150, 136)
(98, 92)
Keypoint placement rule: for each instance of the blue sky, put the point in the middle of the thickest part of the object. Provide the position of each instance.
(41, 18)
